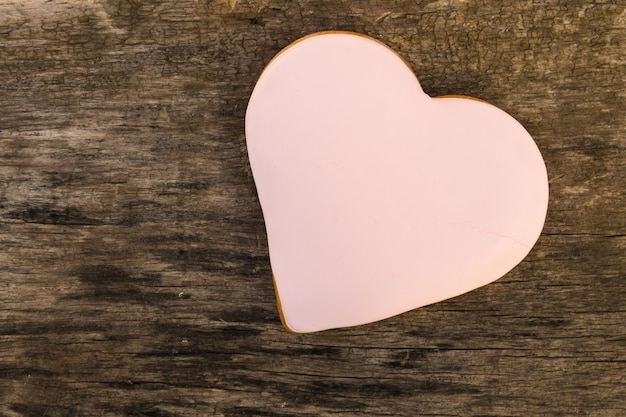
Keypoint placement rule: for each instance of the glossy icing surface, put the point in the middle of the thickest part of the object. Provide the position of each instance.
(377, 198)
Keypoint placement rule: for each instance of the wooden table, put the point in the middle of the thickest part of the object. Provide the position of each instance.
(134, 271)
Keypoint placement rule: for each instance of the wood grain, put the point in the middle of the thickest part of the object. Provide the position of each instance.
(134, 273)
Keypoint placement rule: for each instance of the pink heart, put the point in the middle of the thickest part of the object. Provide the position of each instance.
(377, 198)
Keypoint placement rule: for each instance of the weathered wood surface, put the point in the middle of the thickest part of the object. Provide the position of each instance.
(134, 274)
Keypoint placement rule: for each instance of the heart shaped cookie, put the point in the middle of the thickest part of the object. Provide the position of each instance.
(377, 198)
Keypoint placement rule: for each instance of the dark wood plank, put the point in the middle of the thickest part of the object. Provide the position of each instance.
(134, 273)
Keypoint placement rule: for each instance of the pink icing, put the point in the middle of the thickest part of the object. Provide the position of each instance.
(377, 198)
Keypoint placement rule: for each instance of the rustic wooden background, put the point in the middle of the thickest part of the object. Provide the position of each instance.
(134, 273)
